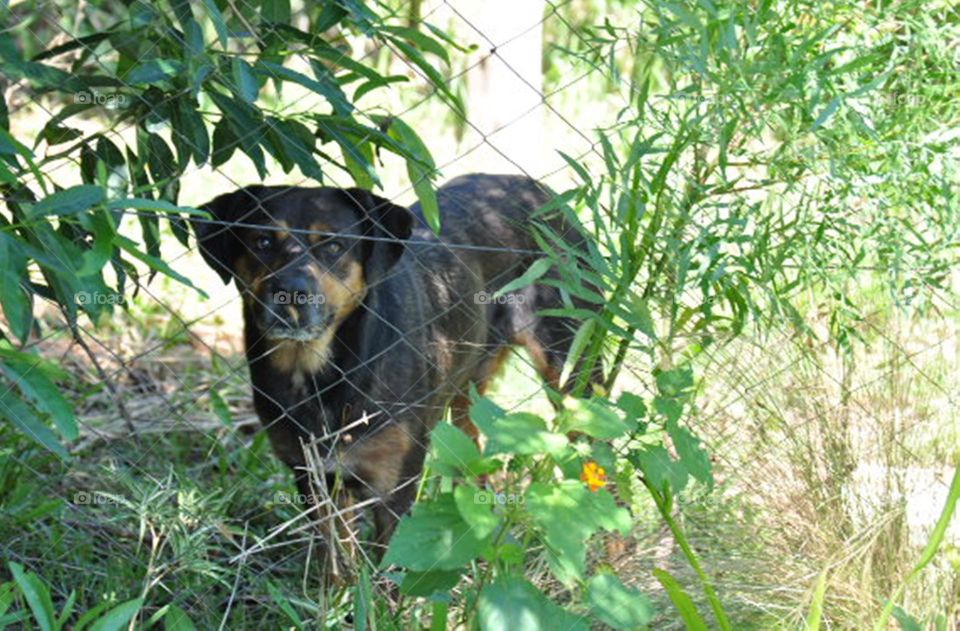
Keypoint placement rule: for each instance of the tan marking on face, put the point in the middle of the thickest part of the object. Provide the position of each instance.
(377, 459)
(319, 227)
(342, 295)
(298, 359)
(284, 234)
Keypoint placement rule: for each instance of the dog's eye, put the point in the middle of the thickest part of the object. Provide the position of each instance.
(264, 242)
(332, 247)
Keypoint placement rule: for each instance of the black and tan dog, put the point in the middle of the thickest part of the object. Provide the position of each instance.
(353, 306)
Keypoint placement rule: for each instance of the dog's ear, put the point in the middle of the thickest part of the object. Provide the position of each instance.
(218, 241)
(389, 225)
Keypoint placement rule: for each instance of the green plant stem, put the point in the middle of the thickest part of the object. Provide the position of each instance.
(663, 506)
(936, 538)
(621, 355)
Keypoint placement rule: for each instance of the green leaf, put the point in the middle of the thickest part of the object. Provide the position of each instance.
(524, 432)
(154, 71)
(192, 132)
(218, 22)
(16, 300)
(357, 152)
(593, 417)
(434, 76)
(520, 433)
(477, 513)
(67, 610)
(246, 85)
(42, 392)
(91, 614)
(95, 258)
(42, 76)
(423, 41)
(11, 146)
(439, 612)
(906, 621)
(659, 469)
(325, 88)
(815, 615)
(275, 11)
(421, 170)
(130, 247)
(71, 201)
(616, 604)
(87, 41)
(455, 453)
(119, 617)
(669, 407)
(510, 602)
(674, 383)
(568, 514)
(688, 611)
(434, 536)
(284, 603)
(225, 142)
(7, 595)
(429, 583)
(693, 457)
(163, 168)
(176, 619)
(153, 205)
(364, 607)
(220, 408)
(23, 418)
(632, 405)
(297, 144)
(55, 134)
(246, 128)
(37, 596)
(640, 317)
(193, 40)
(532, 274)
(827, 112)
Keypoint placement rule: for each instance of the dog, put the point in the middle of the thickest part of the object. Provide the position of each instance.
(353, 308)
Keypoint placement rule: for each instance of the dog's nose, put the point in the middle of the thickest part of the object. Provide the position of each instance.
(297, 284)
(296, 303)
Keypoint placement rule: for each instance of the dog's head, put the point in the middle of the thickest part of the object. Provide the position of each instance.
(303, 259)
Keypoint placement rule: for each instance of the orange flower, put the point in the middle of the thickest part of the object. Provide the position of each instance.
(594, 475)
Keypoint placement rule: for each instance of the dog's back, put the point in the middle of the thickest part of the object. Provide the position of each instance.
(488, 229)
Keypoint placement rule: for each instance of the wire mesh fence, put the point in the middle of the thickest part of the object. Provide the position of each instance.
(170, 364)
